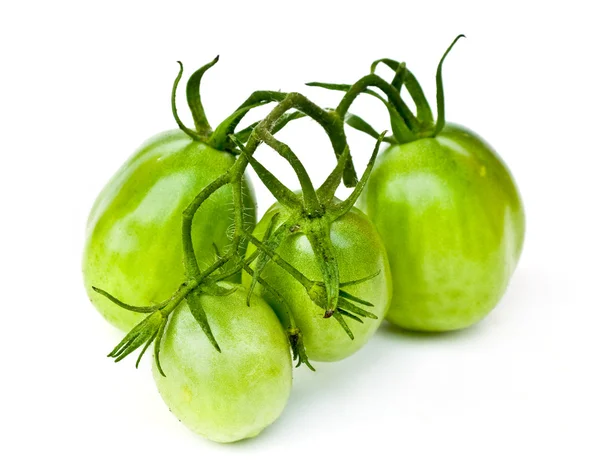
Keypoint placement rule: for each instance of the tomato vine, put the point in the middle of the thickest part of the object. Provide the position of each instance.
(312, 212)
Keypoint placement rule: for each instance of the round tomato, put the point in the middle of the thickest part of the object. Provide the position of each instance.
(359, 252)
(233, 394)
(133, 247)
(452, 221)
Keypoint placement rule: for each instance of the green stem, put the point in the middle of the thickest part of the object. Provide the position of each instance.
(190, 262)
(262, 257)
(334, 127)
(344, 207)
(327, 190)
(283, 194)
(238, 216)
(263, 96)
(329, 121)
(220, 138)
(244, 134)
(191, 284)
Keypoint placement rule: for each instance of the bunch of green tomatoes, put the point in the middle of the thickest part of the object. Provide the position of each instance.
(174, 255)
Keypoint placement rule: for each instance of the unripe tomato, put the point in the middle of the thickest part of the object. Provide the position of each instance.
(233, 394)
(133, 247)
(453, 224)
(360, 253)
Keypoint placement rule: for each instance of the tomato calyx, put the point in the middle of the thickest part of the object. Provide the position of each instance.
(298, 350)
(219, 138)
(316, 290)
(203, 129)
(151, 328)
(406, 125)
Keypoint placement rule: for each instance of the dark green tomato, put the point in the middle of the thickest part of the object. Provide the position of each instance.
(359, 252)
(233, 394)
(133, 247)
(453, 224)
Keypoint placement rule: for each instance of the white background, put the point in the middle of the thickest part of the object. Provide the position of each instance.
(84, 83)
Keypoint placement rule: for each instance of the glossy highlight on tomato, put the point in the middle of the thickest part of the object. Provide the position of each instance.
(452, 221)
(360, 253)
(133, 247)
(233, 394)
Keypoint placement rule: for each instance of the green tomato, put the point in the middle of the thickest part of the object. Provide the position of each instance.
(233, 394)
(452, 221)
(133, 247)
(360, 253)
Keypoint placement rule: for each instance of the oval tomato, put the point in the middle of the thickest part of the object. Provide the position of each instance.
(133, 247)
(233, 394)
(359, 252)
(452, 221)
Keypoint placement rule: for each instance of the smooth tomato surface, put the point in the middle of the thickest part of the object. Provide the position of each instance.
(133, 246)
(360, 253)
(233, 394)
(452, 221)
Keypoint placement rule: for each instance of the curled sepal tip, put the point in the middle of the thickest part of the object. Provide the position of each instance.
(142, 334)
(158, 345)
(350, 315)
(349, 296)
(145, 348)
(340, 319)
(195, 304)
(347, 301)
(361, 280)
(298, 350)
(441, 107)
(191, 133)
(345, 304)
(126, 306)
(194, 100)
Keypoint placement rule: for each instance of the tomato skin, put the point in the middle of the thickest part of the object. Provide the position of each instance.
(234, 394)
(453, 224)
(133, 246)
(359, 252)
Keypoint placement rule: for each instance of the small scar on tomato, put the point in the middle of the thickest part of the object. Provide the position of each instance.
(294, 228)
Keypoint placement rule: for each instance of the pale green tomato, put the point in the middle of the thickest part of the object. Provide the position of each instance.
(359, 252)
(453, 224)
(133, 247)
(233, 394)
